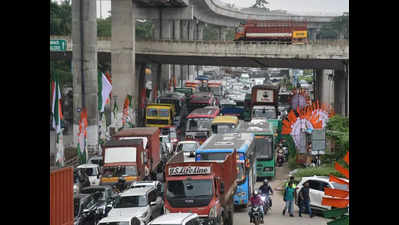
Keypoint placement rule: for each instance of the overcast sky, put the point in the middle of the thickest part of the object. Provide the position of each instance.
(323, 6)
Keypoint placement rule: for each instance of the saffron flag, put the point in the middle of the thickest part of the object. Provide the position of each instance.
(82, 137)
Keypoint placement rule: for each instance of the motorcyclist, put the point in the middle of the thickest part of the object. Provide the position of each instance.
(121, 184)
(266, 189)
(255, 201)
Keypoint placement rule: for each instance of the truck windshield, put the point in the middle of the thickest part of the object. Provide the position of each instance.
(152, 112)
(187, 147)
(163, 113)
(131, 201)
(189, 188)
(265, 113)
(264, 148)
(213, 156)
(120, 171)
(198, 124)
(90, 171)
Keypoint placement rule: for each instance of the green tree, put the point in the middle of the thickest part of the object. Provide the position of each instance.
(260, 4)
(60, 18)
(337, 29)
(104, 27)
(338, 128)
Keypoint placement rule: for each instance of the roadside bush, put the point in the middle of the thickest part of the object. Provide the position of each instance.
(318, 171)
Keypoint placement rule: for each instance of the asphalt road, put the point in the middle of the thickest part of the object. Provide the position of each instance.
(275, 215)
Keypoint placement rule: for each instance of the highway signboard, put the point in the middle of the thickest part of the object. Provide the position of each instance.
(58, 45)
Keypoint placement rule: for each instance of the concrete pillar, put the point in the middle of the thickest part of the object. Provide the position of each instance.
(222, 32)
(123, 58)
(88, 32)
(317, 73)
(327, 88)
(166, 34)
(200, 37)
(177, 37)
(191, 37)
(340, 92)
(184, 36)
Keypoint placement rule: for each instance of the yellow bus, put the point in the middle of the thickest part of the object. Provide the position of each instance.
(225, 124)
(159, 115)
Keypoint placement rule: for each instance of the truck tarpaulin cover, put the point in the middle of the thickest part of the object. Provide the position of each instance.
(123, 154)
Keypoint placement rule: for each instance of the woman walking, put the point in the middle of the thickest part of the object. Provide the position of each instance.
(289, 198)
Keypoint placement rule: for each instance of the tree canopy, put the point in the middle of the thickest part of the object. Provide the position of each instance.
(337, 29)
(260, 4)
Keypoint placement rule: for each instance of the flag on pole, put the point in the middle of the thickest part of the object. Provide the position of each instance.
(104, 90)
(126, 107)
(57, 119)
(82, 137)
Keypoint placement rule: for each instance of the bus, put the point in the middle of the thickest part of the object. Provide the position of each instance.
(264, 138)
(225, 124)
(198, 123)
(219, 145)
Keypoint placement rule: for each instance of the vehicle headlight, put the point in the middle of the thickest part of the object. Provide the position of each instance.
(212, 212)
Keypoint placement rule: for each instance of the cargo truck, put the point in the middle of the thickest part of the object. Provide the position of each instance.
(61, 197)
(264, 101)
(151, 143)
(206, 188)
(123, 158)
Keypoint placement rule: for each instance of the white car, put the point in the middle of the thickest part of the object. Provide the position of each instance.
(316, 190)
(188, 147)
(93, 171)
(143, 203)
(139, 184)
(177, 219)
(119, 220)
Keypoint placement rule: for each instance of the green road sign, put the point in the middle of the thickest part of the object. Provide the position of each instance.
(58, 45)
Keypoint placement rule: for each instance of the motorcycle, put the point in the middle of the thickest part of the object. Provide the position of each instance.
(256, 214)
(267, 203)
(285, 149)
(280, 159)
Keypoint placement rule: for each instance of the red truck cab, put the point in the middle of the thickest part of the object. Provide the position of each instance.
(205, 188)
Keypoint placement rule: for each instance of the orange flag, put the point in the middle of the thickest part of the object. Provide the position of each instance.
(338, 180)
(335, 202)
(346, 159)
(336, 192)
(342, 170)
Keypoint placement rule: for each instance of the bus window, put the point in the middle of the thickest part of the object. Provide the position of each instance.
(152, 112)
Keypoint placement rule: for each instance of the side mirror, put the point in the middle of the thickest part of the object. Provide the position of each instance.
(153, 203)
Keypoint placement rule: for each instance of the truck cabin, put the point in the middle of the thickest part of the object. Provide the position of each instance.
(176, 101)
(159, 115)
(268, 112)
(121, 159)
(200, 100)
(224, 124)
(198, 124)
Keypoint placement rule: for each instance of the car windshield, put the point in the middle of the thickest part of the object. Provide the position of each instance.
(266, 113)
(189, 188)
(94, 190)
(120, 171)
(340, 186)
(199, 124)
(115, 223)
(90, 171)
(131, 201)
(187, 147)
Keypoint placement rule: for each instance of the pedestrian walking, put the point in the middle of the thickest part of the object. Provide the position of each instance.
(305, 200)
(289, 198)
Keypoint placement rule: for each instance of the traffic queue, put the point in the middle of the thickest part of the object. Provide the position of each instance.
(198, 156)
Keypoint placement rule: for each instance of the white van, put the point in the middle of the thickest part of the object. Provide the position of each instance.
(93, 171)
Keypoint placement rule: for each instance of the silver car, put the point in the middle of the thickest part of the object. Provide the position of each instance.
(143, 203)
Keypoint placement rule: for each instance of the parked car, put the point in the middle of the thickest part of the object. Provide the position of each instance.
(188, 147)
(105, 201)
(93, 171)
(316, 190)
(85, 209)
(177, 219)
(121, 220)
(141, 202)
(158, 185)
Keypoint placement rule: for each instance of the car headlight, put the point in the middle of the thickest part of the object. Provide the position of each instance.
(212, 212)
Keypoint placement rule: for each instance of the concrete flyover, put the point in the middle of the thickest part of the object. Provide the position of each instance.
(214, 12)
(315, 55)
